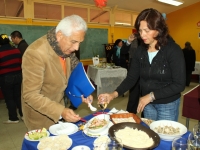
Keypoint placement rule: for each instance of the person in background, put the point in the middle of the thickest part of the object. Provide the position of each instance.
(134, 93)
(18, 40)
(46, 67)
(162, 77)
(10, 78)
(190, 58)
(115, 55)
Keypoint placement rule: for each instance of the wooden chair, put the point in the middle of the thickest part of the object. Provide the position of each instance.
(191, 105)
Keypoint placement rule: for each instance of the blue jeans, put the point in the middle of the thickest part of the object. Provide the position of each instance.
(11, 89)
(169, 111)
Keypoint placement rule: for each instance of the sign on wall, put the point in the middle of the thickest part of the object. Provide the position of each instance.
(198, 24)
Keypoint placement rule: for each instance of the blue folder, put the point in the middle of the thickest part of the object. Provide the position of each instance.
(78, 84)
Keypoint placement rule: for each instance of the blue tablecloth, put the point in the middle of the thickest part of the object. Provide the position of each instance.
(79, 138)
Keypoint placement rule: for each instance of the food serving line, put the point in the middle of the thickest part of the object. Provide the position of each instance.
(80, 138)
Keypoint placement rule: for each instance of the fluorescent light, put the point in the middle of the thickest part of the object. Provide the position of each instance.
(172, 2)
(123, 23)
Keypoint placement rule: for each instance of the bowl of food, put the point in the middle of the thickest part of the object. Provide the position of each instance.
(167, 129)
(125, 117)
(133, 135)
(101, 142)
(98, 123)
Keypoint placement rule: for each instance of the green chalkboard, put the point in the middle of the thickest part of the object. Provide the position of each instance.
(92, 44)
(29, 33)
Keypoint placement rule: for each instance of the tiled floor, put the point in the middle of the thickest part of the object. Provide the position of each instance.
(11, 135)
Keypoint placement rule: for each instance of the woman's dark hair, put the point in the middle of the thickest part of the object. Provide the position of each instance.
(117, 42)
(188, 46)
(4, 39)
(155, 21)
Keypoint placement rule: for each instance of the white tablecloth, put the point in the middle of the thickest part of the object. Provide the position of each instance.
(197, 68)
(107, 80)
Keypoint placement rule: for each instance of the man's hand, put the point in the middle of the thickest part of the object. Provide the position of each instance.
(69, 115)
(87, 100)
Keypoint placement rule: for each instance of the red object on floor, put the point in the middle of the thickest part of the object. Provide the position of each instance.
(1, 95)
(191, 104)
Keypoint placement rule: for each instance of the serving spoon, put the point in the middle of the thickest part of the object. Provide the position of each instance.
(89, 104)
(92, 108)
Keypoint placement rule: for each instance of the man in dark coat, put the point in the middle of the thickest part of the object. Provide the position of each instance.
(190, 58)
(18, 40)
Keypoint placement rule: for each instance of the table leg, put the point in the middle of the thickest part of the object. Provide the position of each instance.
(187, 122)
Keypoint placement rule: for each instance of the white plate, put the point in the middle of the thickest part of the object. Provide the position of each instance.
(27, 138)
(81, 147)
(53, 140)
(104, 132)
(63, 128)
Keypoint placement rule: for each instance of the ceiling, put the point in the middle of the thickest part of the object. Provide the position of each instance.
(15, 8)
(139, 5)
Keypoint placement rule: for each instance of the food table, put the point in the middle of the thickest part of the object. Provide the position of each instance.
(106, 79)
(79, 138)
(197, 68)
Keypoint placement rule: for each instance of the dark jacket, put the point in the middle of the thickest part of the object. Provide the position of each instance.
(119, 61)
(190, 58)
(22, 46)
(129, 49)
(165, 76)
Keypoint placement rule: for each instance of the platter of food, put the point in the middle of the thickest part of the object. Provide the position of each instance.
(167, 129)
(98, 125)
(36, 135)
(63, 128)
(134, 136)
(147, 121)
(124, 117)
(55, 142)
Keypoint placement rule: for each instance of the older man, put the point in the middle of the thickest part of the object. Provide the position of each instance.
(47, 65)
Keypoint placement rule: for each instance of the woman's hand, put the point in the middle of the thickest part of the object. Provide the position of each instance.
(143, 102)
(107, 97)
(131, 38)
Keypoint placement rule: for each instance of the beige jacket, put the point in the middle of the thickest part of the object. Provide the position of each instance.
(43, 85)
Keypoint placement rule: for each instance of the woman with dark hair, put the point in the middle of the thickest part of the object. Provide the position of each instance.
(159, 63)
(115, 55)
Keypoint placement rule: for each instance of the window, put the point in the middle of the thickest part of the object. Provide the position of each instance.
(99, 16)
(12, 8)
(123, 18)
(47, 11)
(134, 19)
(69, 10)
